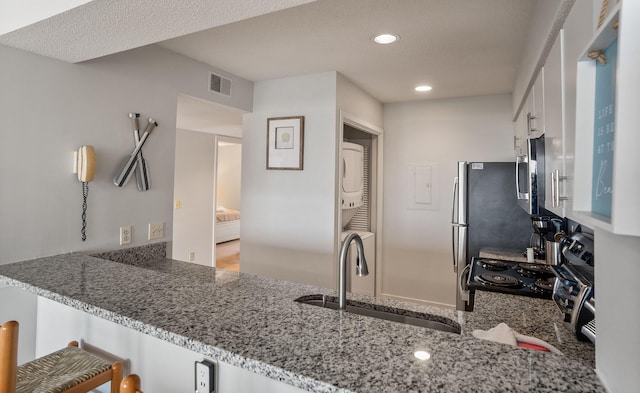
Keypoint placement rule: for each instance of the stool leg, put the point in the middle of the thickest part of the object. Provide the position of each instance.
(116, 377)
(8, 356)
(130, 384)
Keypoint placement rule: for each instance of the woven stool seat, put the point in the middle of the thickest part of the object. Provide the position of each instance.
(59, 371)
(69, 370)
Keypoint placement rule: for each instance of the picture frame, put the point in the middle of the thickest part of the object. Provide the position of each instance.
(285, 143)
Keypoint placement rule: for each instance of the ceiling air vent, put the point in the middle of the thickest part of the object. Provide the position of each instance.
(219, 84)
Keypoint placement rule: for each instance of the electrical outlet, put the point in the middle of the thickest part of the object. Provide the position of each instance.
(156, 231)
(205, 371)
(125, 235)
(192, 256)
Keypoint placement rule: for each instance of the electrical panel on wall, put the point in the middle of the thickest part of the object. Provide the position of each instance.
(422, 179)
(423, 184)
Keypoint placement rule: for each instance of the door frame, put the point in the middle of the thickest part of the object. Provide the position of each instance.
(217, 140)
(376, 183)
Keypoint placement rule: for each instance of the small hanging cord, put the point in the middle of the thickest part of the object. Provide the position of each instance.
(85, 194)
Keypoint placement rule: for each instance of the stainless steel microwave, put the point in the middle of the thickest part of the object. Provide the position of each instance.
(530, 175)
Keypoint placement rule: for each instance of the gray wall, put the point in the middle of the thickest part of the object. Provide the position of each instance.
(287, 227)
(416, 248)
(194, 174)
(289, 217)
(49, 108)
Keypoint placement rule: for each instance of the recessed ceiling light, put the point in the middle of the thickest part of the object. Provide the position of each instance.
(423, 88)
(385, 38)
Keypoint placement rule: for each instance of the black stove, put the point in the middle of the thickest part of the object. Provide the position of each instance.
(516, 278)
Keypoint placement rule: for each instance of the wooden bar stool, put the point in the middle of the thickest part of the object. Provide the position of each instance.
(69, 370)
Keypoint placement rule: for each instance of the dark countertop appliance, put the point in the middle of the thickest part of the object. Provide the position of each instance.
(574, 290)
(486, 215)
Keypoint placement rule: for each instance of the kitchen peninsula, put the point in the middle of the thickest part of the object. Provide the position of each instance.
(253, 323)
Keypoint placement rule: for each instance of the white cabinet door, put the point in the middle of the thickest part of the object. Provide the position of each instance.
(537, 96)
(577, 31)
(520, 131)
(524, 124)
(554, 127)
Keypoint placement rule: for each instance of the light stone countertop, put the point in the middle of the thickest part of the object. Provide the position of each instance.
(535, 317)
(252, 322)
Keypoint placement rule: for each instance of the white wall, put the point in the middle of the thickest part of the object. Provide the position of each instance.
(618, 314)
(49, 108)
(288, 216)
(417, 243)
(18, 305)
(354, 101)
(229, 175)
(193, 187)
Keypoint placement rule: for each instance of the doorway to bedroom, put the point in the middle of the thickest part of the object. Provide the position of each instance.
(227, 202)
(205, 130)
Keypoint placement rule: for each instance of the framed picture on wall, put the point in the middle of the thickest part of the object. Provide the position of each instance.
(285, 143)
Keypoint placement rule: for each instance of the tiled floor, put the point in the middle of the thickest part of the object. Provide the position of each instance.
(228, 255)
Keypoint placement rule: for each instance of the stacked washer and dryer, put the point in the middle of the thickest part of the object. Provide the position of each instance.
(352, 196)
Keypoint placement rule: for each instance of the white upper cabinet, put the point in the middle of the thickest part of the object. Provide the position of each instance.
(522, 126)
(577, 31)
(607, 175)
(551, 105)
(530, 121)
(554, 135)
(536, 114)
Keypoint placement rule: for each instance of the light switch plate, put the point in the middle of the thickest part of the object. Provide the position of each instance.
(156, 231)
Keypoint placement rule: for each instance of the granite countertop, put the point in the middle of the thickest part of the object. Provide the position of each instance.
(252, 322)
(535, 317)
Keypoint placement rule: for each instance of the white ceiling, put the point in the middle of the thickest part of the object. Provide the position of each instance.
(460, 47)
(102, 27)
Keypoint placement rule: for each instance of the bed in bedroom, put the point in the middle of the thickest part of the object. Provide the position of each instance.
(227, 224)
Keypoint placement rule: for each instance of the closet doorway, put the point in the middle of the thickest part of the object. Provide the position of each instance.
(228, 170)
(367, 219)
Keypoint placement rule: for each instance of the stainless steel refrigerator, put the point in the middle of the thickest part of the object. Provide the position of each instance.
(485, 215)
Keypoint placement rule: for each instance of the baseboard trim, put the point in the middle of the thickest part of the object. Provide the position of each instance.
(409, 299)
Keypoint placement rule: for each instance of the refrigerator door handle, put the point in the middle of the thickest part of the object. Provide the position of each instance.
(453, 204)
(453, 247)
(454, 225)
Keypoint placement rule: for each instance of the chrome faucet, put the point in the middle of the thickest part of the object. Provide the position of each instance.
(361, 266)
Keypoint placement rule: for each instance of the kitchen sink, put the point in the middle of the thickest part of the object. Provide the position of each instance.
(383, 312)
